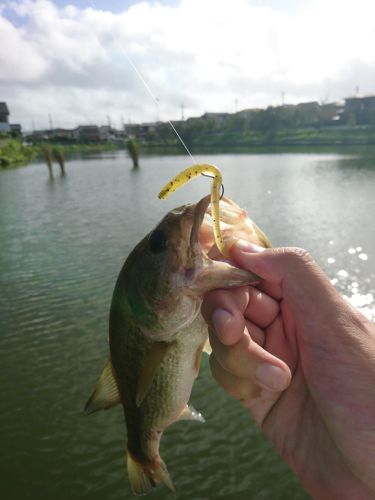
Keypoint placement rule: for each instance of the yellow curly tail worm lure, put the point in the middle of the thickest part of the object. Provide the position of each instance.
(217, 181)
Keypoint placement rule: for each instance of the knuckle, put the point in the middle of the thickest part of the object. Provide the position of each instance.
(213, 300)
(246, 390)
(296, 254)
(234, 361)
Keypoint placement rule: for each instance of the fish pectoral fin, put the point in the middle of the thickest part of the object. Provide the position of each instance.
(190, 413)
(106, 393)
(152, 362)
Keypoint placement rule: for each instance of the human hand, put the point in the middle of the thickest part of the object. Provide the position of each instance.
(302, 361)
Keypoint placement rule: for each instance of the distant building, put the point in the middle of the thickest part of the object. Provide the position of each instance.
(248, 112)
(218, 118)
(106, 132)
(140, 130)
(60, 134)
(4, 117)
(360, 110)
(331, 113)
(87, 133)
(15, 129)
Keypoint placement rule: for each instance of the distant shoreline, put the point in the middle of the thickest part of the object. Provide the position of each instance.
(13, 153)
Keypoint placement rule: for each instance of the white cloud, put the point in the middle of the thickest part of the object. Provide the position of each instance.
(71, 61)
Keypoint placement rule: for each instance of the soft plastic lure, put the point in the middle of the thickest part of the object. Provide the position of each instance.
(217, 181)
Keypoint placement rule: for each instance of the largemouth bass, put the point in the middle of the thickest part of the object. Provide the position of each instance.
(156, 331)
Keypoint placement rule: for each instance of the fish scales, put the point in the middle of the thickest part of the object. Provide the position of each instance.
(156, 331)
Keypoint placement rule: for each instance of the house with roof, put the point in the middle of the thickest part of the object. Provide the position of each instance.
(4, 117)
(360, 110)
(87, 133)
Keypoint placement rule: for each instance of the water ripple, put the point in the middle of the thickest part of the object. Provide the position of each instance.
(61, 249)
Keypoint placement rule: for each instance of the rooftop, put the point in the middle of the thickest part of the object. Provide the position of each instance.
(4, 108)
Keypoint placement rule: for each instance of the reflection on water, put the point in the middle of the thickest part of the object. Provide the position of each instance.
(352, 284)
(63, 242)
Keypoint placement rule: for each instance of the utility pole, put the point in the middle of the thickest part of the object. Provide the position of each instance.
(50, 121)
(236, 105)
(109, 121)
(182, 112)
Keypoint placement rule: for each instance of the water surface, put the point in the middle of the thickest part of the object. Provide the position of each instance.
(63, 242)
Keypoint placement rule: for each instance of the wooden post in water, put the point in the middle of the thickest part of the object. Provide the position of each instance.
(133, 150)
(47, 153)
(58, 155)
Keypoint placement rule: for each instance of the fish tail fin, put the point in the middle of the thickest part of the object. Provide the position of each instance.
(143, 477)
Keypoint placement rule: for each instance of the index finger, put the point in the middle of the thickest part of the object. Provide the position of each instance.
(224, 311)
(227, 311)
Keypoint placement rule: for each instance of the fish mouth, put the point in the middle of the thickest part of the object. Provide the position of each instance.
(200, 212)
(207, 267)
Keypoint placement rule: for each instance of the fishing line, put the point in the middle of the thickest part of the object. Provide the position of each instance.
(156, 100)
(217, 233)
(153, 97)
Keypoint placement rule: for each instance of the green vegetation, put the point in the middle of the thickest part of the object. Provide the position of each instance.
(308, 123)
(14, 153)
(270, 127)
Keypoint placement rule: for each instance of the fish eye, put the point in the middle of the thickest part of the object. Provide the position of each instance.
(158, 241)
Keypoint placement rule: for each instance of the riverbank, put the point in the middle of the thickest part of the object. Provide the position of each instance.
(327, 136)
(13, 153)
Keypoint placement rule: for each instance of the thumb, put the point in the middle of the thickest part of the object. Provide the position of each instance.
(273, 264)
(297, 277)
(277, 265)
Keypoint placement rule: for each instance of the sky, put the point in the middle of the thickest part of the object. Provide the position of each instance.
(67, 63)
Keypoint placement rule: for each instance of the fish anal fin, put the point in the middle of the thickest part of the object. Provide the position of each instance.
(143, 477)
(151, 363)
(207, 347)
(190, 413)
(106, 393)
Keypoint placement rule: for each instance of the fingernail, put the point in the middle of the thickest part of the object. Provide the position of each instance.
(220, 319)
(246, 246)
(272, 377)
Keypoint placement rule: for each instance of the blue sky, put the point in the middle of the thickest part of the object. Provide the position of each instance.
(71, 59)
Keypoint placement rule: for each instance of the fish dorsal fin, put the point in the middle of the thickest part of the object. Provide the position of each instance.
(106, 393)
(152, 362)
(190, 413)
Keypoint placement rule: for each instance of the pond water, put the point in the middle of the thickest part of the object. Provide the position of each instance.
(62, 244)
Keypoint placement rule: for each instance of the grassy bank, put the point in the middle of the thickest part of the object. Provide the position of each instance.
(14, 153)
(327, 136)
